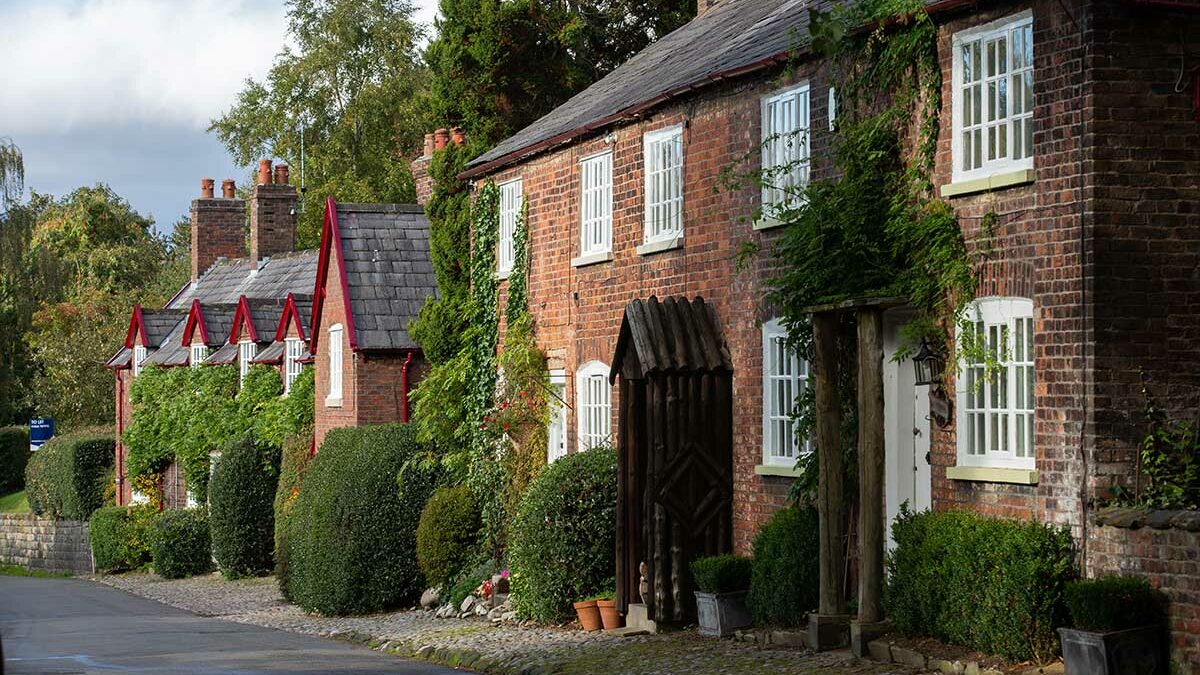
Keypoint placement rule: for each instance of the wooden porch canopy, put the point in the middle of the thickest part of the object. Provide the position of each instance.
(675, 462)
(826, 629)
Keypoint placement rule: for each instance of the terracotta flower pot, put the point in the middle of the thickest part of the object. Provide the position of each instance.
(609, 615)
(589, 615)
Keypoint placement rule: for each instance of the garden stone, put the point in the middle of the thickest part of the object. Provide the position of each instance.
(1160, 520)
(429, 599)
(481, 609)
(908, 657)
(971, 668)
(1187, 520)
(508, 616)
(468, 604)
(880, 650)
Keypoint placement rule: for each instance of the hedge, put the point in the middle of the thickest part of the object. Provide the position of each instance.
(1114, 603)
(66, 477)
(180, 543)
(241, 497)
(297, 456)
(120, 537)
(786, 570)
(352, 531)
(562, 541)
(14, 455)
(996, 586)
(448, 534)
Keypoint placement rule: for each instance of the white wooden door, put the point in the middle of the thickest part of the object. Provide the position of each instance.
(906, 416)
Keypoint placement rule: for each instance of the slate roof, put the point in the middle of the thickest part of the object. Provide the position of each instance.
(172, 352)
(265, 315)
(388, 270)
(229, 278)
(120, 359)
(734, 35)
(159, 322)
(218, 321)
(272, 354)
(228, 353)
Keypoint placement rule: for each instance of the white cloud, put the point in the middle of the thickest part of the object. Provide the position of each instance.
(96, 63)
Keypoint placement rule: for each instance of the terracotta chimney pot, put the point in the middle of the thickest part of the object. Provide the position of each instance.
(458, 136)
(264, 171)
(228, 189)
(206, 188)
(440, 138)
(281, 174)
(427, 151)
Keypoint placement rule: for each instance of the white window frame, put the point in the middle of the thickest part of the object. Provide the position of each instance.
(782, 369)
(595, 204)
(139, 355)
(510, 209)
(335, 365)
(663, 184)
(246, 351)
(197, 353)
(593, 396)
(831, 109)
(1016, 71)
(792, 108)
(556, 437)
(293, 348)
(996, 417)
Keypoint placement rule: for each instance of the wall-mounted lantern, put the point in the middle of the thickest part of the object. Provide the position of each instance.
(929, 364)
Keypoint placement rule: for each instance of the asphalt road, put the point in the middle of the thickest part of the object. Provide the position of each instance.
(74, 626)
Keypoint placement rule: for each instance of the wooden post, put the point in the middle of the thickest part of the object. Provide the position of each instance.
(870, 465)
(829, 448)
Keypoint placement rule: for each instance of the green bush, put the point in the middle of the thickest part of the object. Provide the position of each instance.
(14, 455)
(352, 532)
(241, 510)
(1113, 603)
(180, 544)
(996, 586)
(66, 477)
(722, 573)
(297, 454)
(786, 568)
(447, 534)
(562, 541)
(120, 537)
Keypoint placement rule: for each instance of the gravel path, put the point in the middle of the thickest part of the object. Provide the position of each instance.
(477, 644)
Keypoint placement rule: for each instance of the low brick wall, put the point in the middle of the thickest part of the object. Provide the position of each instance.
(1163, 547)
(45, 544)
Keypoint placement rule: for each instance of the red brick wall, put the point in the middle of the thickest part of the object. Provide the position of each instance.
(218, 230)
(272, 220)
(333, 312)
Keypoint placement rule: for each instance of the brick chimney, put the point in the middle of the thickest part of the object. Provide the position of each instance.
(438, 140)
(217, 227)
(703, 6)
(272, 214)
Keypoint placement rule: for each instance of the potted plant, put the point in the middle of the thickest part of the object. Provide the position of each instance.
(723, 581)
(1117, 628)
(609, 615)
(588, 613)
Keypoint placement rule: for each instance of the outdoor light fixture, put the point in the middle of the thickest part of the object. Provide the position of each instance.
(929, 364)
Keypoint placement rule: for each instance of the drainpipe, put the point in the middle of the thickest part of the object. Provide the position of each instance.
(404, 387)
(120, 430)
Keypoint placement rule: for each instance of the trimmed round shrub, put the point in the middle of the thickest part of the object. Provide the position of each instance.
(352, 531)
(120, 537)
(180, 544)
(562, 541)
(241, 497)
(448, 534)
(784, 582)
(66, 477)
(14, 455)
(296, 458)
(993, 585)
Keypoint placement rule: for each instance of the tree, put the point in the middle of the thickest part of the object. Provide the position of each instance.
(355, 85)
(499, 65)
(16, 303)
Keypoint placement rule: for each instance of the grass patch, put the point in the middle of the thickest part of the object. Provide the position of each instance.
(16, 502)
(18, 571)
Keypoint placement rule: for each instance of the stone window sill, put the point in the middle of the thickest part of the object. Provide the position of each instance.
(986, 474)
(776, 470)
(592, 259)
(661, 245)
(333, 402)
(501, 275)
(988, 183)
(768, 223)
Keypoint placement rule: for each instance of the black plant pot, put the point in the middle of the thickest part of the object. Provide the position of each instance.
(1136, 651)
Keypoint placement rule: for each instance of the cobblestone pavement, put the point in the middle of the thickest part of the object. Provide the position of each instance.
(476, 644)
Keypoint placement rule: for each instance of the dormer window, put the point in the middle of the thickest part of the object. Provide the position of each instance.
(291, 362)
(335, 365)
(246, 351)
(139, 355)
(199, 353)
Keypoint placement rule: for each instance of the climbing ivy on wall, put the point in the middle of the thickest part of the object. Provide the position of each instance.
(184, 414)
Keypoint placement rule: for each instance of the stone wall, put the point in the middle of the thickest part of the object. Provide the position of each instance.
(1161, 546)
(45, 544)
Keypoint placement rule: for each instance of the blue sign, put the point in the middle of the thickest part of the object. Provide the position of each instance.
(41, 429)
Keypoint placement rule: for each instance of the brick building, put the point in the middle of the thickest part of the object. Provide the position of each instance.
(259, 308)
(1089, 164)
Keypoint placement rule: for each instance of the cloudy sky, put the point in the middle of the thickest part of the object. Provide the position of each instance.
(122, 91)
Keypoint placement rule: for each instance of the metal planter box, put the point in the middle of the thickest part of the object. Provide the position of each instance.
(1137, 651)
(720, 614)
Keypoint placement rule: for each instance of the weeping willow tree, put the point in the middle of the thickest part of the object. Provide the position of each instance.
(16, 304)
